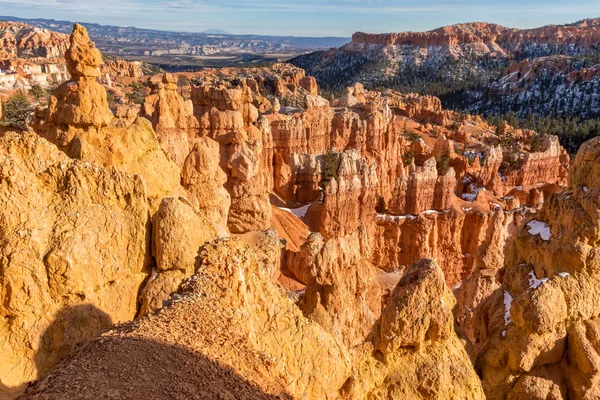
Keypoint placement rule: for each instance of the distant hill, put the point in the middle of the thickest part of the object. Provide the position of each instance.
(215, 32)
(551, 71)
(132, 41)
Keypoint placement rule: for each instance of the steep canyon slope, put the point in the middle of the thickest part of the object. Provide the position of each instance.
(256, 240)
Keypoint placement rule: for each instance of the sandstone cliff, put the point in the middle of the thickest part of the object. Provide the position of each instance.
(22, 40)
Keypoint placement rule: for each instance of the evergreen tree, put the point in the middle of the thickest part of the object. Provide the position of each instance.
(17, 112)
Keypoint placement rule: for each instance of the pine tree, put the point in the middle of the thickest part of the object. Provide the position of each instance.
(17, 112)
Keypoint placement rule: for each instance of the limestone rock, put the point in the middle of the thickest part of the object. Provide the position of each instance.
(421, 311)
(178, 233)
(166, 109)
(551, 299)
(586, 164)
(417, 355)
(20, 40)
(77, 121)
(73, 254)
(204, 180)
(81, 102)
(341, 292)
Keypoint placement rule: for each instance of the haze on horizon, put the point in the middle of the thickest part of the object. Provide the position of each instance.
(303, 17)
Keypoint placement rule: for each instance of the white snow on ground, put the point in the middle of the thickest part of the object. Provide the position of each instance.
(585, 189)
(469, 196)
(563, 274)
(507, 304)
(534, 282)
(432, 212)
(396, 217)
(541, 228)
(467, 208)
(298, 212)
(322, 199)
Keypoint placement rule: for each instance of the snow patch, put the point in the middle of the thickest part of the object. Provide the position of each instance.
(426, 212)
(563, 274)
(507, 304)
(534, 282)
(298, 212)
(541, 228)
(396, 217)
(585, 189)
(469, 196)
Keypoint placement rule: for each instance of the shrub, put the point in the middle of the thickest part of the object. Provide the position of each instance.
(330, 166)
(536, 143)
(137, 95)
(17, 112)
(443, 163)
(112, 101)
(409, 157)
(37, 92)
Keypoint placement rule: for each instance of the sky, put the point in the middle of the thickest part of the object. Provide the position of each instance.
(304, 17)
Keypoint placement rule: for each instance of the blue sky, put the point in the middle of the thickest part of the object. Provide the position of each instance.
(304, 17)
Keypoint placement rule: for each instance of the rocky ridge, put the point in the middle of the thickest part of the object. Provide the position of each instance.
(476, 67)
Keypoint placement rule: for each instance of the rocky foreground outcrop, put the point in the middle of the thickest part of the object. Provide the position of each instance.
(73, 236)
(238, 334)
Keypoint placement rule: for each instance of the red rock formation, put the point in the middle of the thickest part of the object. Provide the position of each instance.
(22, 40)
(81, 102)
(484, 38)
(171, 117)
(423, 190)
(228, 116)
(79, 122)
(385, 179)
(549, 165)
(310, 84)
(119, 67)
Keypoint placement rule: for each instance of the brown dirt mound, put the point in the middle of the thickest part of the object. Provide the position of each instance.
(161, 357)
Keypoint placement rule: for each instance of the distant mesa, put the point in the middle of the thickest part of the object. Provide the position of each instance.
(215, 32)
